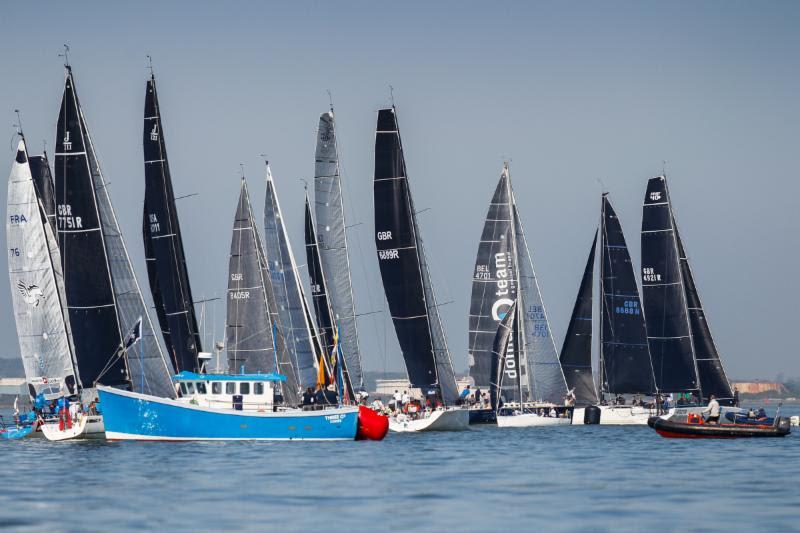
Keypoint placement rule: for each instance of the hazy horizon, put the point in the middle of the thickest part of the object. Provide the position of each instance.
(580, 97)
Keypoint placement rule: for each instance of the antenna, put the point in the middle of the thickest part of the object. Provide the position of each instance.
(391, 95)
(330, 99)
(44, 147)
(241, 169)
(18, 125)
(65, 55)
(663, 168)
(305, 183)
(603, 187)
(266, 161)
(150, 65)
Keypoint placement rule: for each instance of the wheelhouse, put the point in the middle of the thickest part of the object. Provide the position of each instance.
(241, 392)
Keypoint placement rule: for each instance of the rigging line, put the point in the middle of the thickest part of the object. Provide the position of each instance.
(187, 195)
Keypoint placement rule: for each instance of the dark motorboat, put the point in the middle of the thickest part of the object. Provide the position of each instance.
(696, 428)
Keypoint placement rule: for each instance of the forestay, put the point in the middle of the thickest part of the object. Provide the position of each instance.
(331, 239)
(34, 269)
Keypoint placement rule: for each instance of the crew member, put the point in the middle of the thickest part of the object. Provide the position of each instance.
(712, 410)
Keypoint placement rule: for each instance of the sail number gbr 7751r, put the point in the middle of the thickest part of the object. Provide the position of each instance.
(65, 218)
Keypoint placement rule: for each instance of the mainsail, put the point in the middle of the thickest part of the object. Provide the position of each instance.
(102, 294)
(289, 296)
(668, 331)
(624, 356)
(252, 337)
(504, 357)
(34, 269)
(576, 353)
(545, 376)
(332, 243)
(43, 180)
(404, 271)
(709, 365)
(166, 261)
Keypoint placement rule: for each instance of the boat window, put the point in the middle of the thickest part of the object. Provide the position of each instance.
(258, 388)
(230, 388)
(216, 387)
(244, 388)
(183, 387)
(190, 387)
(201, 387)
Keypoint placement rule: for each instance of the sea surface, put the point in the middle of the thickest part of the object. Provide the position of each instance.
(574, 478)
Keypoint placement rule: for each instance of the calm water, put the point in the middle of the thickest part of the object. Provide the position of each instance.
(569, 478)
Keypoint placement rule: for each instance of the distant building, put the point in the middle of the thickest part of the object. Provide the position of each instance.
(759, 387)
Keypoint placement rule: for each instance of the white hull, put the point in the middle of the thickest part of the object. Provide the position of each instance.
(439, 420)
(87, 427)
(619, 415)
(525, 420)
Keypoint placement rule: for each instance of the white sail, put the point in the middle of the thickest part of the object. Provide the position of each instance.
(34, 269)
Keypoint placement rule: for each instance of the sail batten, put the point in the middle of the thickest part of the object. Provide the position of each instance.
(403, 270)
(166, 265)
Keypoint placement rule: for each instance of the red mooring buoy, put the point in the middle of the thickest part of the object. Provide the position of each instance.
(371, 425)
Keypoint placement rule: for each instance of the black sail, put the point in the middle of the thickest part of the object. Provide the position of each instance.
(624, 355)
(501, 348)
(403, 269)
(103, 296)
(668, 330)
(709, 365)
(494, 286)
(45, 189)
(326, 325)
(576, 354)
(166, 261)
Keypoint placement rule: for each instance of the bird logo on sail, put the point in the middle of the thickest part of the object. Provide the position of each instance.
(30, 293)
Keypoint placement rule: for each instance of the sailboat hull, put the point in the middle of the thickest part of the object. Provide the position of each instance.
(525, 420)
(133, 416)
(439, 420)
(619, 415)
(87, 427)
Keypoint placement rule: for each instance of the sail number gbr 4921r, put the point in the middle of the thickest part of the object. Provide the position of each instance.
(386, 254)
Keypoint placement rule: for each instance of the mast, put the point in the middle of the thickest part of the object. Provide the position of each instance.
(624, 356)
(576, 353)
(319, 295)
(668, 329)
(403, 269)
(164, 252)
(331, 239)
(34, 269)
(102, 294)
(288, 291)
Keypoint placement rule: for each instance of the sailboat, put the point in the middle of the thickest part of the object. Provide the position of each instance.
(624, 360)
(34, 269)
(163, 244)
(408, 289)
(292, 308)
(103, 300)
(685, 357)
(504, 274)
(331, 239)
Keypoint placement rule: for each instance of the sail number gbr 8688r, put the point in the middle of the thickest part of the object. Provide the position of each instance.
(386, 254)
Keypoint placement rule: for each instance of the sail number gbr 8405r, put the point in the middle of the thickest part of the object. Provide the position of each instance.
(386, 254)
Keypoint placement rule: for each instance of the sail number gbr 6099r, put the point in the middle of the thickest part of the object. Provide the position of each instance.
(386, 254)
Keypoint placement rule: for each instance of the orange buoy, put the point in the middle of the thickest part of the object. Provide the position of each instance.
(371, 425)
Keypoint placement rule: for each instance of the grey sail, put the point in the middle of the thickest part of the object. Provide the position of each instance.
(34, 269)
(713, 379)
(289, 294)
(545, 376)
(494, 283)
(103, 296)
(251, 329)
(332, 244)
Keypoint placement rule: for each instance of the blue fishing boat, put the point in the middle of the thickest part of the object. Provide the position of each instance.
(221, 407)
(24, 426)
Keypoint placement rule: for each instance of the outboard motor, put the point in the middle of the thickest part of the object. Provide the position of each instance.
(591, 415)
(783, 423)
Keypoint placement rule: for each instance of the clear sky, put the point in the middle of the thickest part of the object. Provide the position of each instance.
(571, 92)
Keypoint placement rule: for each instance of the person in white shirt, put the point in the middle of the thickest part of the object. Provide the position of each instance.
(406, 398)
(712, 410)
(397, 400)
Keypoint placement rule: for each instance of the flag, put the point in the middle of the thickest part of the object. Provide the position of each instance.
(134, 335)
